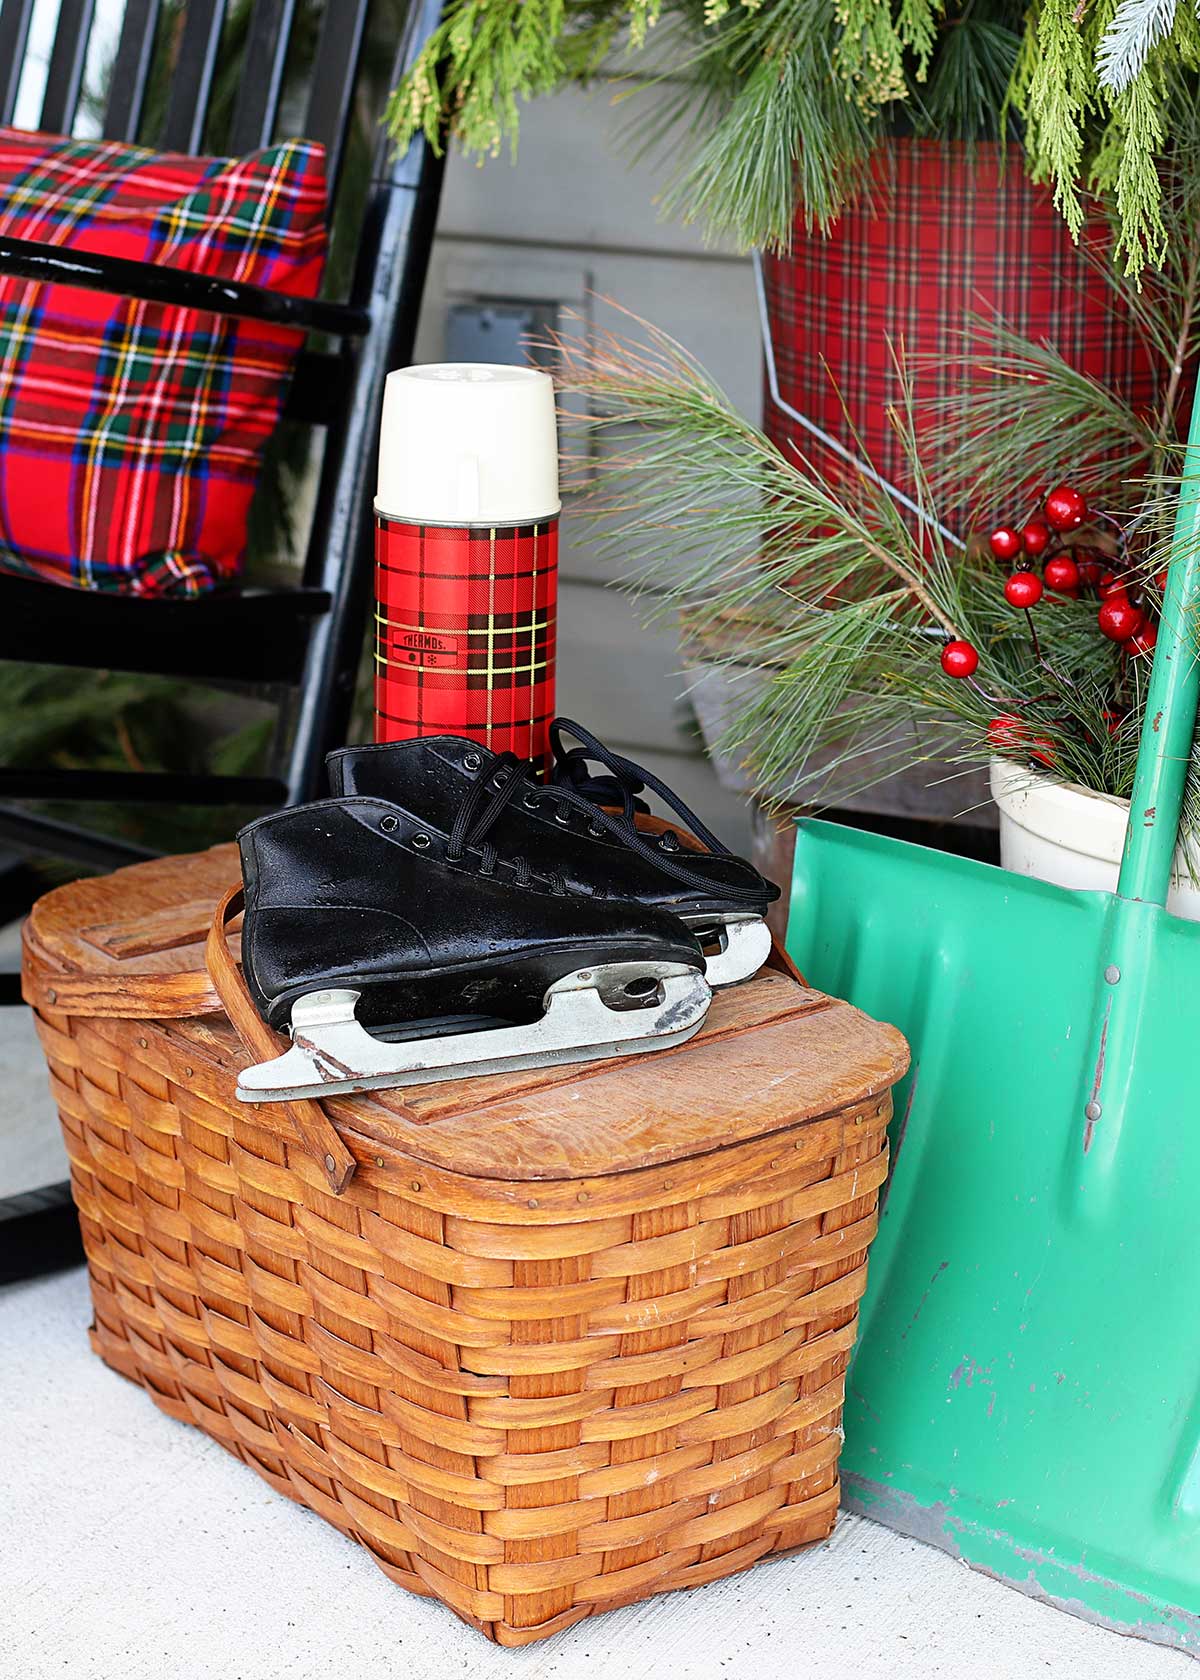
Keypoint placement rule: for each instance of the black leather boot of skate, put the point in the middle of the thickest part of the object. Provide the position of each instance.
(393, 961)
(579, 830)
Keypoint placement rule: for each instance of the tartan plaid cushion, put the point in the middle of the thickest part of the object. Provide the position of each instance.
(131, 433)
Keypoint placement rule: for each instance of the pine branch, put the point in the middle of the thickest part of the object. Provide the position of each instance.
(829, 610)
(1137, 27)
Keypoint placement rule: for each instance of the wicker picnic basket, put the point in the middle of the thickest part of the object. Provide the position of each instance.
(543, 1344)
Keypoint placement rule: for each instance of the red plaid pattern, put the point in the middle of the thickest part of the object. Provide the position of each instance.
(131, 434)
(942, 234)
(465, 633)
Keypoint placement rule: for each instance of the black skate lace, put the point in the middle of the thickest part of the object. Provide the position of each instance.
(498, 782)
(625, 781)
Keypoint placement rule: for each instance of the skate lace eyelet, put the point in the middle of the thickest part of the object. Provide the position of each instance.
(668, 843)
(531, 802)
(499, 779)
(564, 817)
(420, 841)
(595, 830)
(387, 824)
(472, 761)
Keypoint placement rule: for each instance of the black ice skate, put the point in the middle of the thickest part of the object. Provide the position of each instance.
(565, 833)
(358, 917)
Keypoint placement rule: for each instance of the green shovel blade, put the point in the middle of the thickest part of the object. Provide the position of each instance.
(1026, 1389)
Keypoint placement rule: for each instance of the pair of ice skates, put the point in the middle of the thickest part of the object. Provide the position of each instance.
(446, 914)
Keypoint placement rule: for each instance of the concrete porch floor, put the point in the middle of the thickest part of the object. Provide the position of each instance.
(134, 1548)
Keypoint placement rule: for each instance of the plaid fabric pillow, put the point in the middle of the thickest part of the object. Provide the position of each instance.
(131, 433)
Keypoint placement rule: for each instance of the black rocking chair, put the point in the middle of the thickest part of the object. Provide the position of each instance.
(302, 644)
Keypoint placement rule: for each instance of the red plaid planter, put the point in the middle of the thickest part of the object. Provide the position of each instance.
(131, 434)
(465, 623)
(944, 233)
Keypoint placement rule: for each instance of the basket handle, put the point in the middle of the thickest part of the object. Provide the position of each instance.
(307, 1118)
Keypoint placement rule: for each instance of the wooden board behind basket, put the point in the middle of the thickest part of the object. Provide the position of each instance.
(568, 1338)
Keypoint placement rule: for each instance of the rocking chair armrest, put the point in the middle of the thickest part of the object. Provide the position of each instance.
(28, 259)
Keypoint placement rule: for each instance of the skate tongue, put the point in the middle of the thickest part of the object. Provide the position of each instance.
(654, 1005)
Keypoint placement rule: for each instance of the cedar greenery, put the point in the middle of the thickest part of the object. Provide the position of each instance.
(782, 101)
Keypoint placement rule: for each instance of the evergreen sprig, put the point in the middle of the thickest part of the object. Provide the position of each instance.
(774, 105)
(828, 605)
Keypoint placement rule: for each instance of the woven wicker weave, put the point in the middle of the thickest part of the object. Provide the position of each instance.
(565, 1340)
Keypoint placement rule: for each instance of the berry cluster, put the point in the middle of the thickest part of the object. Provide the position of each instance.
(1068, 570)
(1068, 573)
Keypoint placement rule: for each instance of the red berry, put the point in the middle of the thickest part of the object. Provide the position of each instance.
(959, 659)
(1007, 730)
(1090, 570)
(1006, 544)
(1119, 619)
(1113, 721)
(1065, 508)
(1144, 641)
(1160, 581)
(1042, 750)
(1061, 574)
(1110, 588)
(1023, 589)
(1034, 537)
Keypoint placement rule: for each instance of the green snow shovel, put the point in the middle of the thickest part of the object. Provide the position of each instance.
(1026, 1391)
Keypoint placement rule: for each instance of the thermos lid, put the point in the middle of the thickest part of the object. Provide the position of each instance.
(468, 443)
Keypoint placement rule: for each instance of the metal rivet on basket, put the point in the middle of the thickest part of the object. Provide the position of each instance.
(53, 996)
(1093, 1111)
(330, 1163)
(667, 1183)
(143, 1043)
(532, 1202)
(416, 1184)
(582, 1196)
(379, 1161)
(189, 1073)
(1112, 974)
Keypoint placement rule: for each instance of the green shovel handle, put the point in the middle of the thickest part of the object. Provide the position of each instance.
(1170, 722)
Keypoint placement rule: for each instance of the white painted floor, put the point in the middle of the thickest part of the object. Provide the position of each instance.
(133, 1548)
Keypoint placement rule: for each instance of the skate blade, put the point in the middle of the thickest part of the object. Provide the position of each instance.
(744, 946)
(651, 1006)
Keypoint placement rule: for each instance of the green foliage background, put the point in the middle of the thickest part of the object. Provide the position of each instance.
(777, 104)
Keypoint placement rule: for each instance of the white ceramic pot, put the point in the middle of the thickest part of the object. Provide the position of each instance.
(1064, 833)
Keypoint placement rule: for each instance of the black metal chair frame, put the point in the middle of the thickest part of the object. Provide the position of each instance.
(305, 640)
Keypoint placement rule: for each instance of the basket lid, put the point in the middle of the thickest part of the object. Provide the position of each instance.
(772, 1053)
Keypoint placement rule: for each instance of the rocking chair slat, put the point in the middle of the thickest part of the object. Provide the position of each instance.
(131, 70)
(65, 76)
(14, 34)
(262, 74)
(338, 51)
(192, 82)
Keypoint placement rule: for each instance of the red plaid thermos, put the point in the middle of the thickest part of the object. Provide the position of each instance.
(466, 556)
